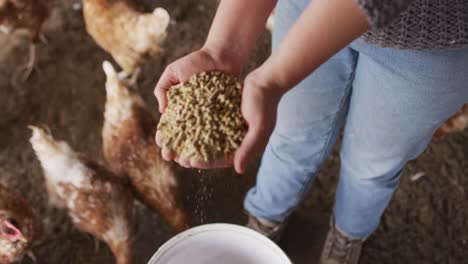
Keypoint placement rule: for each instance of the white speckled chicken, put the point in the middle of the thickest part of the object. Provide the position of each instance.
(129, 35)
(97, 201)
(130, 150)
(18, 227)
(454, 124)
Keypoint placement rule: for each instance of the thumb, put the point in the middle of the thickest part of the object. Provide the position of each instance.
(246, 150)
(168, 79)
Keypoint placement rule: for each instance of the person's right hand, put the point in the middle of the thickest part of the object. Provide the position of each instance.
(182, 69)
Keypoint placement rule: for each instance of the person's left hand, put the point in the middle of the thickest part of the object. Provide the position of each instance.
(260, 100)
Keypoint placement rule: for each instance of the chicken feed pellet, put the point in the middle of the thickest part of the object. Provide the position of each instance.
(203, 118)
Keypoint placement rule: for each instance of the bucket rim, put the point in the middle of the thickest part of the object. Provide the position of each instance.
(214, 227)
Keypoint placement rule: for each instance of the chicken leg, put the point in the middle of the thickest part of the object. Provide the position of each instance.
(133, 80)
(25, 71)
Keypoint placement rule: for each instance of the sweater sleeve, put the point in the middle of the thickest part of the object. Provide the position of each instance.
(381, 13)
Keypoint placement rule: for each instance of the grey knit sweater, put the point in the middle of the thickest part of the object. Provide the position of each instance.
(417, 24)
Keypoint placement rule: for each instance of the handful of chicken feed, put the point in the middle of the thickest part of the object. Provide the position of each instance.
(203, 118)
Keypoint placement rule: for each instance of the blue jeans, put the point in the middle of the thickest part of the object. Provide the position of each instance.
(392, 101)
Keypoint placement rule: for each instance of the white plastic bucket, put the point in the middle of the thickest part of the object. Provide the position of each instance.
(219, 243)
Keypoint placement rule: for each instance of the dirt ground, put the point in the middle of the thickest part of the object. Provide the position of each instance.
(427, 221)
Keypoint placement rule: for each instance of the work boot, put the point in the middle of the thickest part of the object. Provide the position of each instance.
(340, 248)
(270, 229)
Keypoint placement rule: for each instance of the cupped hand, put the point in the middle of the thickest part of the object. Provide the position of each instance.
(260, 100)
(193, 162)
(181, 70)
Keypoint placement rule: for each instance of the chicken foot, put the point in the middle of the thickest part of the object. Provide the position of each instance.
(97, 244)
(133, 80)
(27, 69)
(24, 72)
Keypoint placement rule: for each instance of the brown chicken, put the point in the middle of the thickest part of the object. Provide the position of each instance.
(129, 35)
(26, 14)
(455, 124)
(129, 149)
(18, 227)
(97, 201)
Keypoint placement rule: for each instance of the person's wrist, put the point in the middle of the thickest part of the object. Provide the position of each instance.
(224, 57)
(267, 79)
